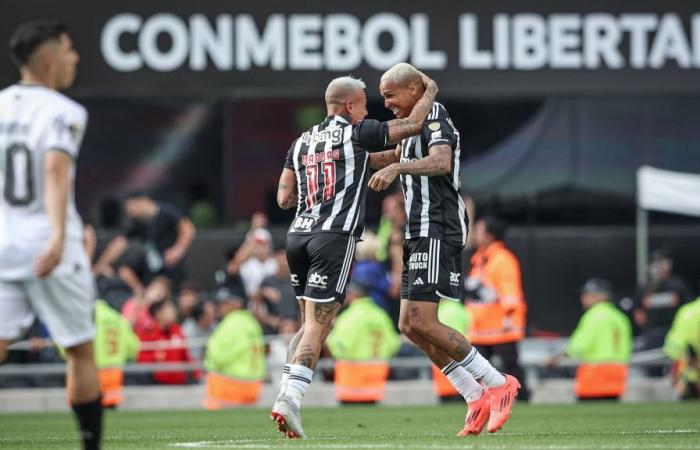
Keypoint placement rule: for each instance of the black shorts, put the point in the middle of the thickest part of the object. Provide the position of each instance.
(319, 265)
(432, 270)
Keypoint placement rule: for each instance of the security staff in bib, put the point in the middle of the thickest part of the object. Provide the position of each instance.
(495, 298)
(602, 342)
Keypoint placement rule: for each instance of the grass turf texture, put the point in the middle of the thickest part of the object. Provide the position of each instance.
(569, 427)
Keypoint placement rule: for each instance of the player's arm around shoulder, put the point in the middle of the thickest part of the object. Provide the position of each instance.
(380, 160)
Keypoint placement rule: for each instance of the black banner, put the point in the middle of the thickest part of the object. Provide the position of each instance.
(279, 48)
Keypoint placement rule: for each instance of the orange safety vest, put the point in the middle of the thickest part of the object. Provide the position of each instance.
(442, 385)
(502, 320)
(601, 380)
(360, 382)
(225, 392)
(111, 386)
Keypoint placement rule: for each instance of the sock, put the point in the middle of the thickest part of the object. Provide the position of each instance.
(462, 380)
(482, 370)
(283, 381)
(299, 381)
(89, 417)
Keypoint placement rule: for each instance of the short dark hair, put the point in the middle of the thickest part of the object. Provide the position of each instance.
(136, 194)
(29, 36)
(157, 306)
(495, 227)
(198, 310)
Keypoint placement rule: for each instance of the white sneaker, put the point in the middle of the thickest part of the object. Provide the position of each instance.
(278, 402)
(275, 412)
(288, 418)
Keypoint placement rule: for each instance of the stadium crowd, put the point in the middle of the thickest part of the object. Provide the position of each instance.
(151, 312)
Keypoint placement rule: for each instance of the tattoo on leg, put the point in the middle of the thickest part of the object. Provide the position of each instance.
(324, 312)
(292, 347)
(414, 312)
(462, 348)
(305, 356)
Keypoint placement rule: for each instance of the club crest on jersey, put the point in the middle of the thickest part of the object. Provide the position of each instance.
(330, 155)
(332, 134)
(434, 126)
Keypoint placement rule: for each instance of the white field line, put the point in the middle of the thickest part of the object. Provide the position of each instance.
(481, 443)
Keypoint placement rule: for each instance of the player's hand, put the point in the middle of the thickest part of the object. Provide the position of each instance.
(429, 83)
(383, 178)
(173, 256)
(48, 260)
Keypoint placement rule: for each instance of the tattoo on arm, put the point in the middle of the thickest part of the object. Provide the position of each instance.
(286, 196)
(439, 162)
(380, 160)
(402, 128)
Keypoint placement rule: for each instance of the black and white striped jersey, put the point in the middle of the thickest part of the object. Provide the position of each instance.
(434, 205)
(330, 161)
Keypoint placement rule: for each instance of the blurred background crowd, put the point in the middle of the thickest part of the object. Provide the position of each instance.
(237, 322)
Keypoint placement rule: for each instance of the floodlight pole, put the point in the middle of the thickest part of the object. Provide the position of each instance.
(642, 244)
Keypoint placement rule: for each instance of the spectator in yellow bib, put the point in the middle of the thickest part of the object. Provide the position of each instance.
(235, 355)
(362, 340)
(114, 344)
(602, 342)
(683, 347)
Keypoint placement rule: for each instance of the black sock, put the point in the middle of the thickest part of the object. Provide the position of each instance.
(89, 417)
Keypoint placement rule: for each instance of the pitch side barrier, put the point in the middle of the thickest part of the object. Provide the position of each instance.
(535, 353)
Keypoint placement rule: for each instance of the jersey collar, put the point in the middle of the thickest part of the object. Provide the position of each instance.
(340, 118)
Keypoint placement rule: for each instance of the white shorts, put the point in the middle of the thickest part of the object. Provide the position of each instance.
(63, 303)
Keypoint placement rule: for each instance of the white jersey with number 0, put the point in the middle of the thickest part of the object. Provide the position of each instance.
(35, 120)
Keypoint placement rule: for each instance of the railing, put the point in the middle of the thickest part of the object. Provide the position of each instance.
(534, 354)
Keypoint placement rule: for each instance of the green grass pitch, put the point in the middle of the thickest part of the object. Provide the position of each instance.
(569, 427)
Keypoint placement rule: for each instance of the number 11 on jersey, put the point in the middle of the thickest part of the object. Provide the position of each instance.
(328, 169)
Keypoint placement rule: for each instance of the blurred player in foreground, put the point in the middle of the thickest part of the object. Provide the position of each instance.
(324, 177)
(436, 233)
(44, 270)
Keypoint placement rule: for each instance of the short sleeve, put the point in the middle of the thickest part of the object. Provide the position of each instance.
(438, 132)
(371, 134)
(66, 127)
(289, 161)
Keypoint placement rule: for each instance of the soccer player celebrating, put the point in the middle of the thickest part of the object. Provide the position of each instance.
(324, 177)
(436, 233)
(44, 269)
